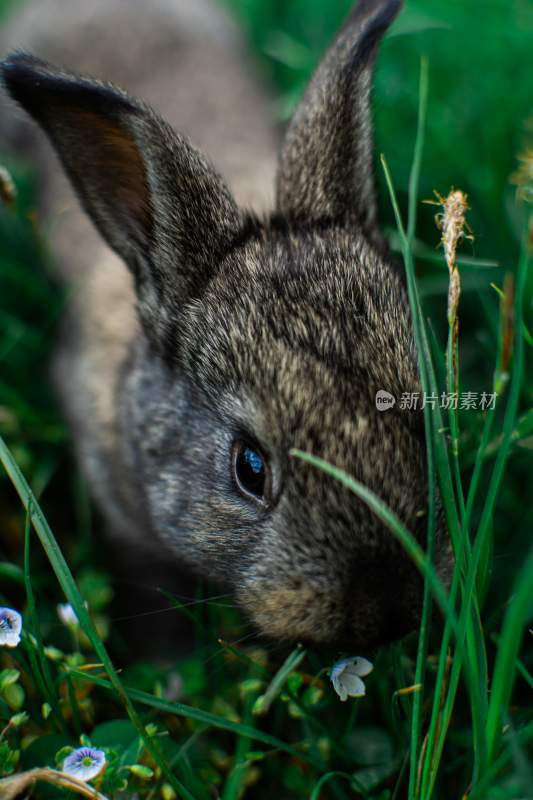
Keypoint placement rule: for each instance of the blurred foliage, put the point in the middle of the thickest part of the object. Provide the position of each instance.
(480, 96)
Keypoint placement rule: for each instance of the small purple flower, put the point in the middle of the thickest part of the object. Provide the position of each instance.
(10, 627)
(346, 676)
(84, 763)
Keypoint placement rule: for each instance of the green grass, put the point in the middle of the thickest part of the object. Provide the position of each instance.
(449, 710)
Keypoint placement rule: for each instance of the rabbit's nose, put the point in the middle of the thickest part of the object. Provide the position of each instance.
(383, 599)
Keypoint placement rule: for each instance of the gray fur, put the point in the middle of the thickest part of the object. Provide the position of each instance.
(326, 159)
(278, 329)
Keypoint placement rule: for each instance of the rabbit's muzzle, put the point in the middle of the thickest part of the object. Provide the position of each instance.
(370, 603)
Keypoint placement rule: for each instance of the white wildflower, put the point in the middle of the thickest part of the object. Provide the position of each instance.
(84, 763)
(346, 676)
(10, 627)
(67, 615)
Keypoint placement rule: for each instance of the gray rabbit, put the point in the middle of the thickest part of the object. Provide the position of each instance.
(203, 339)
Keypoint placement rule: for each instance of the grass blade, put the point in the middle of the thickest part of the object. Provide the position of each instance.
(425, 620)
(207, 717)
(518, 614)
(264, 701)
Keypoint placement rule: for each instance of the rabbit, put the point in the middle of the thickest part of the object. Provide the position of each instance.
(220, 317)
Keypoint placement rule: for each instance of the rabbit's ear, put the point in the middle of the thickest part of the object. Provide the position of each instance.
(325, 171)
(153, 197)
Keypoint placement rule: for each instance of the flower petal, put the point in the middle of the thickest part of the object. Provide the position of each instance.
(353, 685)
(336, 680)
(341, 691)
(359, 666)
(339, 667)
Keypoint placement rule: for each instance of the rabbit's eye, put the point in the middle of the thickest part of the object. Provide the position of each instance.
(250, 471)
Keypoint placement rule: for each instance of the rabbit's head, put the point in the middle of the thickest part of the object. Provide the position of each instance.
(259, 336)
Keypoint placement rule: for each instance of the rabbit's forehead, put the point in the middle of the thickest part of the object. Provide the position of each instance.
(287, 397)
(302, 342)
(302, 333)
(313, 297)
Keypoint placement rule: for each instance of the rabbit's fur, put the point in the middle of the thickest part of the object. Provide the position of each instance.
(276, 329)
